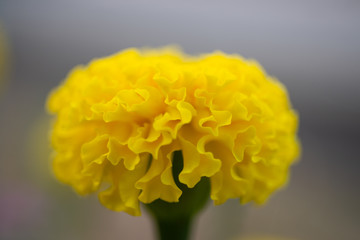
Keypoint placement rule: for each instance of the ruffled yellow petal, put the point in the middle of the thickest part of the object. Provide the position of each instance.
(197, 162)
(158, 182)
(122, 194)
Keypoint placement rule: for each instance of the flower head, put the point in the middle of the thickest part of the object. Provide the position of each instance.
(120, 119)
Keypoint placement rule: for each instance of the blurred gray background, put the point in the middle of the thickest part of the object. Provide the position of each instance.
(313, 47)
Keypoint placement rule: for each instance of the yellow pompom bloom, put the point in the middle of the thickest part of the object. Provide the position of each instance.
(119, 120)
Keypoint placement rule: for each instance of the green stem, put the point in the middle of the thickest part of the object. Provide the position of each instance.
(178, 229)
(174, 219)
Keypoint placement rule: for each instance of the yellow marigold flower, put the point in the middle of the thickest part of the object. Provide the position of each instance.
(119, 120)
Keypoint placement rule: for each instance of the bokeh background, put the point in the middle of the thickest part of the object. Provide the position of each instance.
(313, 47)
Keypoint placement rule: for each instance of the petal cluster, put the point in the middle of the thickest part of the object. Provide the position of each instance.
(119, 120)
